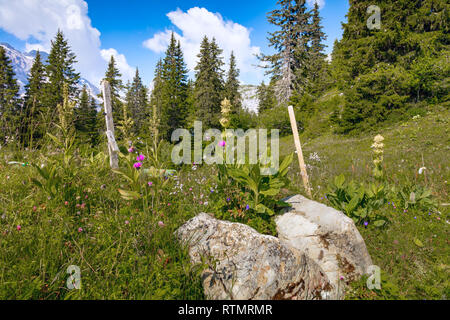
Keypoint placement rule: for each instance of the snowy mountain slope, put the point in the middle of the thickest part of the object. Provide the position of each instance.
(22, 63)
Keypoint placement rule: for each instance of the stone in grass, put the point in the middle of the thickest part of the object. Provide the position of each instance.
(246, 265)
(328, 237)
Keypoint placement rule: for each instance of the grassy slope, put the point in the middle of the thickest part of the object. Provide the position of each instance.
(415, 272)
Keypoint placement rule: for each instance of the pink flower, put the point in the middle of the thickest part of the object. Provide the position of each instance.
(83, 205)
(34, 208)
(19, 228)
(140, 157)
(161, 224)
(80, 229)
(150, 184)
(137, 165)
(127, 222)
(169, 204)
(222, 143)
(66, 203)
(131, 150)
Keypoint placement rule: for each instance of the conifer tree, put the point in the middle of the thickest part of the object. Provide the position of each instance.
(266, 97)
(209, 83)
(113, 76)
(9, 100)
(232, 87)
(157, 90)
(60, 72)
(34, 102)
(317, 63)
(86, 118)
(174, 90)
(136, 100)
(288, 65)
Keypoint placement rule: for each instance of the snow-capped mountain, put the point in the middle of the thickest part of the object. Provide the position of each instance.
(250, 100)
(23, 61)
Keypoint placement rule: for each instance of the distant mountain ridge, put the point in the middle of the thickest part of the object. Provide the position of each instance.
(23, 61)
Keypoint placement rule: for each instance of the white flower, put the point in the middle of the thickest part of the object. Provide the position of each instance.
(378, 138)
(422, 169)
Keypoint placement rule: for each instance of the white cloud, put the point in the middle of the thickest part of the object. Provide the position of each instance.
(198, 22)
(321, 3)
(37, 22)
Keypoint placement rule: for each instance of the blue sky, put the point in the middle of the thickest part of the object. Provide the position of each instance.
(136, 32)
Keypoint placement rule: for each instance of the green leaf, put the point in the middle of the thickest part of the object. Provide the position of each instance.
(379, 223)
(129, 195)
(271, 192)
(418, 243)
(284, 166)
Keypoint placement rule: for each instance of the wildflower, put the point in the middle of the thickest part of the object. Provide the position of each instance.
(80, 229)
(228, 199)
(366, 223)
(161, 224)
(150, 184)
(19, 228)
(140, 158)
(86, 197)
(205, 203)
(415, 218)
(83, 205)
(34, 208)
(103, 187)
(190, 189)
(222, 143)
(247, 207)
(131, 150)
(66, 203)
(137, 165)
(421, 170)
(127, 222)
(169, 204)
(341, 277)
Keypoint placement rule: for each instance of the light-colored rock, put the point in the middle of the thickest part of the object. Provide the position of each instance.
(245, 265)
(328, 237)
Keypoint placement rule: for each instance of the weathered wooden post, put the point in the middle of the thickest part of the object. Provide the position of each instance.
(298, 146)
(112, 144)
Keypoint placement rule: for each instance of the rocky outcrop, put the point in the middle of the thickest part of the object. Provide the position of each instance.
(245, 265)
(328, 237)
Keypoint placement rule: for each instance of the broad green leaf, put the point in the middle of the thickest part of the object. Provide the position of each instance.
(129, 195)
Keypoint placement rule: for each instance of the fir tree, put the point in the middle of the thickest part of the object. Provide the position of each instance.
(288, 65)
(113, 76)
(136, 100)
(9, 103)
(209, 83)
(157, 90)
(60, 72)
(317, 63)
(266, 97)
(34, 102)
(86, 118)
(174, 93)
(232, 86)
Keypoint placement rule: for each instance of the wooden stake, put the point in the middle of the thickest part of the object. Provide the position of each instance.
(112, 144)
(298, 146)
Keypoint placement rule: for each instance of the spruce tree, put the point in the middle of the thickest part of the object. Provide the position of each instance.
(60, 72)
(232, 86)
(317, 63)
(209, 83)
(383, 72)
(136, 100)
(174, 93)
(113, 76)
(289, 64)
(34, 102)
(157, 90)
(266, 97)
(9, 100)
